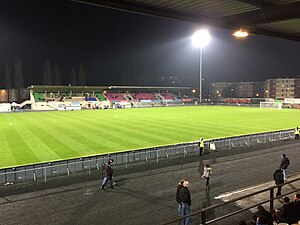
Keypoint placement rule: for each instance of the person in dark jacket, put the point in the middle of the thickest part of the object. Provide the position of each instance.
(288, 212)
(108, 174)
(267, 215)
(184, 198)
(284, 164)
(297, 204)
(180, 185)
(279, 179)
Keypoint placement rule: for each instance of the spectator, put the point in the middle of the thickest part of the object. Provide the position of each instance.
(297, 132)
(261, 220)
(279, 180)
(184, 198)
(108, 174)
(267, 215)
(201, 146)
(180, 185)
(297, 204)
(285, 162)
(254, 219)
(288, 212)
(206, 175)
(242, 222)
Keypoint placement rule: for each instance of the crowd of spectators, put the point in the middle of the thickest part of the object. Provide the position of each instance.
(288, 214)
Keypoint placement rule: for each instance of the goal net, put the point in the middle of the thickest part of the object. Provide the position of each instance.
(271, 105)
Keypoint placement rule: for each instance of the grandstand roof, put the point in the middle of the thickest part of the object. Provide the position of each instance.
(43, 88)
(278, 18)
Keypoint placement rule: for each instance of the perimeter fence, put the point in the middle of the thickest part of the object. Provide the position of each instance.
(43, 171)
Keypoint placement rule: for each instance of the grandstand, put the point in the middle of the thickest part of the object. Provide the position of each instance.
(103, 97)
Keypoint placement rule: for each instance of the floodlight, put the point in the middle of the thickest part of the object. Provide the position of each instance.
(201, 38)
(240, 33)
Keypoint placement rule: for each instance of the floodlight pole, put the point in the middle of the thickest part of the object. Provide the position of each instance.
(200, 74)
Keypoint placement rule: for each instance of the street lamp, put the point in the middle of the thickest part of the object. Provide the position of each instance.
(200, 39)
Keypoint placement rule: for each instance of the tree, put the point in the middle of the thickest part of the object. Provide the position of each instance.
(73, 80)
(81, 75)
(18, 77)
(56, 75)
(8, 80)
(47, 74)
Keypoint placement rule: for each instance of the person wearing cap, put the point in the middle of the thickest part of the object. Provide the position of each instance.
(108, 175)
(201, 146)
(297, 133)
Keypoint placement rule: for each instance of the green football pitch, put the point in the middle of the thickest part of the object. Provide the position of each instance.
(28, 138)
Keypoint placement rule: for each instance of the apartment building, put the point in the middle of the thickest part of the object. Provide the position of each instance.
(281, 88)
(237, 90)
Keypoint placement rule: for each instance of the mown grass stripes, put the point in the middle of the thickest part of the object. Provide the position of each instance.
(28, 138)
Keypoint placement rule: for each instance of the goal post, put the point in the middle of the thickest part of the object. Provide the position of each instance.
(271, 105)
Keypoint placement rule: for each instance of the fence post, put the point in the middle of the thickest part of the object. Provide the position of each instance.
(156, 156)
(203, 218)
(34, 176)
(271, 198)
(229, 144)
(89, 166)
(45, 175)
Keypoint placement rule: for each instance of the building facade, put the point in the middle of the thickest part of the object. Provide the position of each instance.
(237, 90)
(282, 88)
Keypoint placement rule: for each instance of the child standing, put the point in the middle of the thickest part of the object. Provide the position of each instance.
(206, 175)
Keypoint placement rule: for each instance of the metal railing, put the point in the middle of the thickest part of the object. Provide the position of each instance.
(203, 212)
(43, 171)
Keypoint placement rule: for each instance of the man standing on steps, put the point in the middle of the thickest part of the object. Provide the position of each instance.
(108, 174)
(285, 162)
(279, 179)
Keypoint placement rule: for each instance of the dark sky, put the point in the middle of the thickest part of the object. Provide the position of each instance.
(110, 42)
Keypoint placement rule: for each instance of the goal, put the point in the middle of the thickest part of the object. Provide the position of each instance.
(271, 105)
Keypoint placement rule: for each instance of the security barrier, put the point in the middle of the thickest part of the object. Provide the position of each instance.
(44, 171)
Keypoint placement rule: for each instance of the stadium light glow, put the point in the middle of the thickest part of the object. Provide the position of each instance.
(200, 39)
(240, 33)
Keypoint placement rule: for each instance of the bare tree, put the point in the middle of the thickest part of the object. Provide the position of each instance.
(18, 77)
(57, 75)
(81, 75)
(73, 80)
(47, 74)
(8, 80)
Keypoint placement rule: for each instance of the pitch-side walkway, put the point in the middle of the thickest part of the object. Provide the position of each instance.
(260, 197)
(145, 193)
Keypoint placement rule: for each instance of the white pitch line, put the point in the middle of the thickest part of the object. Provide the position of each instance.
(239, 191)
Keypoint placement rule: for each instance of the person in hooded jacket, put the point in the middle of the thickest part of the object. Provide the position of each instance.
(279, 179)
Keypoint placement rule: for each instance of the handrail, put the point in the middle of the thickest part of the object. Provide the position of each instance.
(204, 210)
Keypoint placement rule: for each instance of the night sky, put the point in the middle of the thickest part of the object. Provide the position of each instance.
(110, 43)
